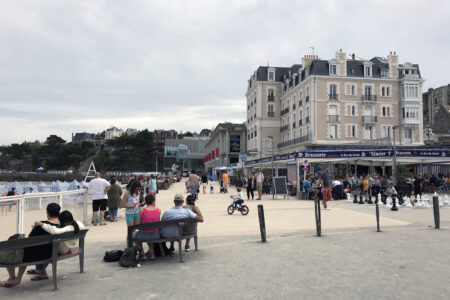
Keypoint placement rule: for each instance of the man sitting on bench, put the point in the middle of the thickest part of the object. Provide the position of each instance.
(175, 213)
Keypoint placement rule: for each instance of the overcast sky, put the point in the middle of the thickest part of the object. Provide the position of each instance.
(73, 66)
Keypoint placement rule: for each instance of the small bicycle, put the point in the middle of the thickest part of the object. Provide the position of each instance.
(236, 206)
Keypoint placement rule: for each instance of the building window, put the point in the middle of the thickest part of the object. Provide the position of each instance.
(307, 112)
(271, 75)
(248, 136)
(333, 92)
(385, 91)
(408, 135)
(352, 90)
(386, 111)
(367, 91)
(300, 132)
(333, 131)
(410, 113)
(410, 90)
(270, 111)
(353, 131)
(270, 95)
(368, 132)
(387, 131)
(332, 69)
(367, 71)
(353, 112)
(384, 73)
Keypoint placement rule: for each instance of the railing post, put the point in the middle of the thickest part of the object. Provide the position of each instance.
(318, 217)
(59, 200)
(262, 223)
(40, 203)
(85, 207)
(377, 213)
(437, 218)
(20, 213)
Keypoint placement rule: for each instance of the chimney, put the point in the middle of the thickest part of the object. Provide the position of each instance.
(393, 64)
(341, 57)
(307, 59)
(353, 56)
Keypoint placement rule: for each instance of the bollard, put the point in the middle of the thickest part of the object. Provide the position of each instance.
(394, 203)
(318, 217)
(437, 224)
(262, 223)
(361, 201)
(377, 213)
(355, 198)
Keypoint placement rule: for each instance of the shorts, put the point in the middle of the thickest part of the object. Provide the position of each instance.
(145, 235)
(259, 186)
(194, 190)
(365, 191)
(99, 203)
(204, 184)
(131, 217)
(189, 232)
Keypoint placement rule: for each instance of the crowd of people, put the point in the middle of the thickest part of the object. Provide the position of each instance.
(337, 187)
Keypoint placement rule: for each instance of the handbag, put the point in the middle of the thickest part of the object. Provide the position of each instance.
(12, 256)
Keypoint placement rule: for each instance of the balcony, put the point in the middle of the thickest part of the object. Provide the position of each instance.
(369, 119)
(284, 128)
(300, 123)
(333, 96)
(285, 111)
(271, 114)
(296, 141)
(333, 118)
(369, 98)
(307, 99)
(300, 103)
(307, 120)
(270, 98)
(294, 125)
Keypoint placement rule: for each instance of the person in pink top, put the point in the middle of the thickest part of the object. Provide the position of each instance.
(148, 214)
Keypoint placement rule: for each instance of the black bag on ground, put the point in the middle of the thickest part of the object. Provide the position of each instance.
(113, 255)
(129, 258)
(161, 249)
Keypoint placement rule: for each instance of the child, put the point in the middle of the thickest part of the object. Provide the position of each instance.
(211, 187)
(239, 198)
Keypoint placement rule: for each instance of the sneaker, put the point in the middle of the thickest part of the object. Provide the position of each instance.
(187, 248)
(151, 256)
(327, 208)
(172, 250)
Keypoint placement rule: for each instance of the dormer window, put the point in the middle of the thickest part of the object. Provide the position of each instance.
(367, 71)
(384, 73)
(271, 75)
(332, 69)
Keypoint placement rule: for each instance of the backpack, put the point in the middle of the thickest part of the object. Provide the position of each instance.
(129, 258)
(161, 249)
(12, 256)
(113, 255)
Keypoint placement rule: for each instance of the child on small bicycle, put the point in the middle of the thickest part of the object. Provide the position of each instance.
(238, 198)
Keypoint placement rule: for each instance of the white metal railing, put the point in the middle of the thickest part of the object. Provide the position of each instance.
(20, 202)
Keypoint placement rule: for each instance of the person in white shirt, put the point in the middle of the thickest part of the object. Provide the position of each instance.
(99, 188)
(259, 183)
(239, 198)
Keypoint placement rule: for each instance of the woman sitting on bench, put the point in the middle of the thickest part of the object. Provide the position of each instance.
(148, 214)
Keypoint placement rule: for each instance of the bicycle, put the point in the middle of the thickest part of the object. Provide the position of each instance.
(236, 206)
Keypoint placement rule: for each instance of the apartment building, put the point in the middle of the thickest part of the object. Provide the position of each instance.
(433, 99)
(343, 100)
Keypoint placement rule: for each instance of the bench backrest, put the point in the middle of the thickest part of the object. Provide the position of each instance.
(42, 240)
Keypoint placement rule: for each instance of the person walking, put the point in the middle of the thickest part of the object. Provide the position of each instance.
(114, 199)
(259, 178)
(152, 185)
(99, 188)
(225, 182)
(249, 184)
(204, 182)
(326, 188)
(194, 184)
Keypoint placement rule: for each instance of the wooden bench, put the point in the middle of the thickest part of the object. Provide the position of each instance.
(53, 240)
(165, 224)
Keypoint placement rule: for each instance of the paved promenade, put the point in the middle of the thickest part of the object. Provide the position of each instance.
(408, 260)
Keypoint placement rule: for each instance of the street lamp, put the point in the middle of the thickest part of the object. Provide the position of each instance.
(273, 176)
(394, 159)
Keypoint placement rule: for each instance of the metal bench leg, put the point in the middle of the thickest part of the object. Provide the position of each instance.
(55, 286)
(195, 242)
(179, 250)
(81, 245)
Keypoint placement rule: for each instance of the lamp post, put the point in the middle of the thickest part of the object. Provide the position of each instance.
(394, 159)
(273, 187)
